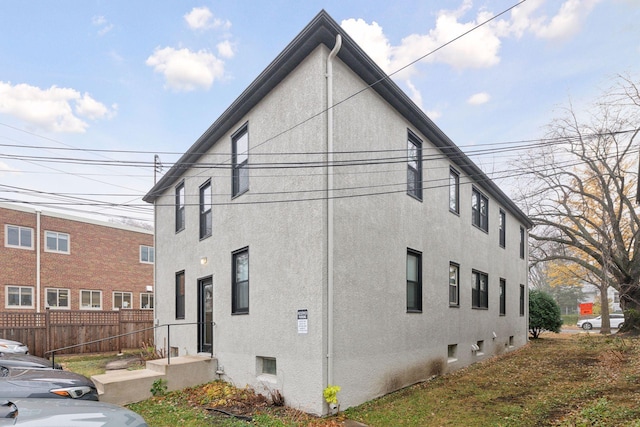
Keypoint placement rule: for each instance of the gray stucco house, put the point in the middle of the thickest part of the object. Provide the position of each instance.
(335, 235)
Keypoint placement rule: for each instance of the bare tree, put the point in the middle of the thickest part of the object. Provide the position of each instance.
(580, 191)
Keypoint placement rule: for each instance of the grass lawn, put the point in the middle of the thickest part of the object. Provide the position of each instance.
(558, 380)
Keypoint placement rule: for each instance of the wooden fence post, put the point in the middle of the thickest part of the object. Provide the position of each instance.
(47, 328)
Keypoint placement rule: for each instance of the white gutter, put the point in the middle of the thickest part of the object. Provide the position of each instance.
(330, 225)
(37, 237)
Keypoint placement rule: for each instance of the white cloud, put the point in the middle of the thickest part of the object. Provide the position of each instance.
(101, 21)
(225, 49)
(371, 39)
(201, 18)
(54, 109)
(567, 22)
(6, 168)
(479, 98)
(185, 70)
(415, 94)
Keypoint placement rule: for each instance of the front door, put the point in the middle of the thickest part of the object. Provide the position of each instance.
(205, 315)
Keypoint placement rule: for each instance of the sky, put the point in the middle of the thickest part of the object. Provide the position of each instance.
(91, 91)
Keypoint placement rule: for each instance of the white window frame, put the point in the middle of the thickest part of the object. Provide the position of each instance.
(57, 234)
(20, 289)
(19, 245)
(150, 297)
(150, 251)
(82, 307)
(122, 295)
(57, 290)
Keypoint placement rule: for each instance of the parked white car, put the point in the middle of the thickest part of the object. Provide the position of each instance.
(13, 347)
(615, 320)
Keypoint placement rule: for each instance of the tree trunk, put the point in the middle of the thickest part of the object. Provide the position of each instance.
(605, 327)
(630, 304)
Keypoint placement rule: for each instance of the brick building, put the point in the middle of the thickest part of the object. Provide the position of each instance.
(57, 261)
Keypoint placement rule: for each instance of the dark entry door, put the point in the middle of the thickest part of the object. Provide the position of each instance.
(205, 315)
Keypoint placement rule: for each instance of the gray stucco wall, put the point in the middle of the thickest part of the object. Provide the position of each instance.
(378, 346)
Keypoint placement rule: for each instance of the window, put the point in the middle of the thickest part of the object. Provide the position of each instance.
(414, 166)
(56, 242)
(452, 350)
(454, 191)
(146, 300)
(206, 203)
(454, 289)
(180, 295)
(414, 281)
(522, 242)
(57, 298)
(147, 254)
(503, 297)
(240, 282)
(91, 300)
(267, 365)
(479, 291)
(19, 297)
(503, 231)
(479, 210)
(18, 237)
(240, 161)
(180, 207)
(122, 300)
(522, 300)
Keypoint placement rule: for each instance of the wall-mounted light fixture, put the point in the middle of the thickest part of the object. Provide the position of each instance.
(203, 260)
(149, 288)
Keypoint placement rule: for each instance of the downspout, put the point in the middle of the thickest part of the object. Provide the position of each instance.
(330, 225)
(37, 261)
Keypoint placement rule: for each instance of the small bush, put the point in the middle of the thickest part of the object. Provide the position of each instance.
(159, 387)
(544, 313)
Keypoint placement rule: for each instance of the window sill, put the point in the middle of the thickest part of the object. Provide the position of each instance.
(454, 305)
(414, 311)
(480, 308)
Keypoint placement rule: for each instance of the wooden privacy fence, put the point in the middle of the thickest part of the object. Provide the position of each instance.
(51, 330)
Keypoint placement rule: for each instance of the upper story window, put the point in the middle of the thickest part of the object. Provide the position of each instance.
(454, 191)
(147, 254)
(18, 237)
(503, 230)
(57, 298)
(522, 240)
(180, 207)
(414, 281)
(479, 210)
(414, 166)
(205, 210)
(479, 290)
(240, 161)
(122, 300)
(56, 242)
(240, 285)
(454, 287)
(19, 296)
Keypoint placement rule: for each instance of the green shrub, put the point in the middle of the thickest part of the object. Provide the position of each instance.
(544, 313)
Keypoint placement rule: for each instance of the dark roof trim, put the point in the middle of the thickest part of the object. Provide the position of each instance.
(323, 29)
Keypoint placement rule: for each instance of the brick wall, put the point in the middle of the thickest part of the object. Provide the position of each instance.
(101, 257)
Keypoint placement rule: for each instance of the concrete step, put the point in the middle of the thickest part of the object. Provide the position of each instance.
(124, 386)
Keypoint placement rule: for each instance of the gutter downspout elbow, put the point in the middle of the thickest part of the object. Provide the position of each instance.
(330, 224)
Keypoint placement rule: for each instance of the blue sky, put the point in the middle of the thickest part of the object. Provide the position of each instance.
(151, 77)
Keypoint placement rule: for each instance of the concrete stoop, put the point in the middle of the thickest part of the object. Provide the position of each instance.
(123, 386)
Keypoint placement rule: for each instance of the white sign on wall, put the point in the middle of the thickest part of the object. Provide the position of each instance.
(303, 321)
